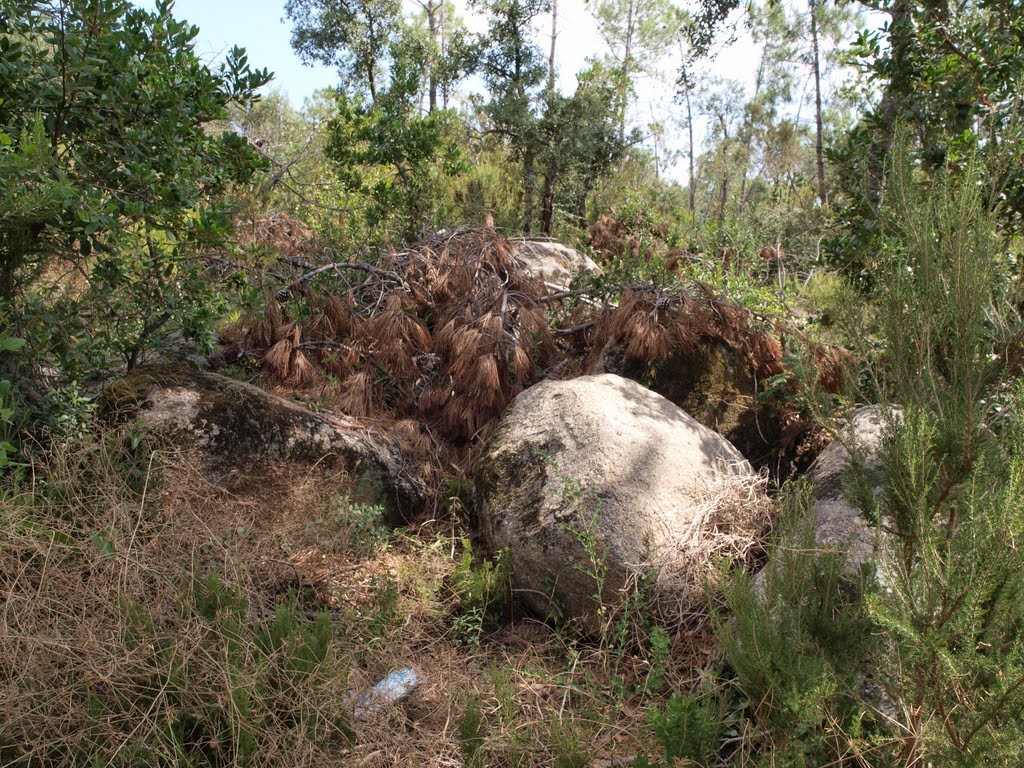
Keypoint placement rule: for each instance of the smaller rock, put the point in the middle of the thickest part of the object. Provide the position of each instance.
(839, 523)
(553, 263)
(241, 429)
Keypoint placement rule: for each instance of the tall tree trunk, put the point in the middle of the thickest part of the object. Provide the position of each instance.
(443, 20)
(627, 61)
(819, 147)
(554, 37)
(723, 193)
(892, 104)
(528, 174)
(693, 178)
(432, 25)
(547, 217)
(749, 129)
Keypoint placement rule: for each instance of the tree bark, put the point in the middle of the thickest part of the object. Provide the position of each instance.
(693, 179)
(723, 194)
(892, 104)
(819, 147)
(749, 128)
(554, 37)
(528, 173)
(627, 60)
(444, 53)
(547, 216)
(432, 25)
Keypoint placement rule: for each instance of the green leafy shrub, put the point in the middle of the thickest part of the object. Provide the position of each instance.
(112, 189)
(8, 411)
(483, 590)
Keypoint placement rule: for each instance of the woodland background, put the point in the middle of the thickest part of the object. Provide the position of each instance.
(855, 242)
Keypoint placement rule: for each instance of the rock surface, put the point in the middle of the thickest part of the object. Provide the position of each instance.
(718, 388)
(598, 479)
(839, 524)
(241, 429)
(553, 263)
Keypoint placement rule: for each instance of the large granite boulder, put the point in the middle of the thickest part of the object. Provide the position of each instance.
(241, 430)
(595, 483)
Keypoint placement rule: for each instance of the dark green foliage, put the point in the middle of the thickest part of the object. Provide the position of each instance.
(353, 35)
(950, 73)
(394, 156)
(953, 478)
(798, 643)
(513, 69)
(472, 734)
(109, 177)
(579, 144)
(690, 728)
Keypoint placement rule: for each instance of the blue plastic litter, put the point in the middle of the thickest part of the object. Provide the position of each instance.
(392, 689)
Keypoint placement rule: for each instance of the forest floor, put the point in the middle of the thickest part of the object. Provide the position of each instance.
(155, 616)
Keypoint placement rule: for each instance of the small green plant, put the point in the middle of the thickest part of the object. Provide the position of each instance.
(565, 742)
(690, 729)
(355, 527)
(585, 527)
(381, 614)
(660, 654)
(483, 590)
(587, 532)
(797, 643)
(8, 345)
(459, 498)
(472, 734)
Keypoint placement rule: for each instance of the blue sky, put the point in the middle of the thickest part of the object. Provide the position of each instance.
(257, 26)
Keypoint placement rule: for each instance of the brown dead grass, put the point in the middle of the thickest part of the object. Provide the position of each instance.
(76, 553)
(733, 516)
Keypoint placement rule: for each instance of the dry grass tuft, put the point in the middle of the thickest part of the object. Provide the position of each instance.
(136, 626)
(732, 519)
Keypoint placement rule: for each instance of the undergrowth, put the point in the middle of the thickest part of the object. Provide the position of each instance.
(153, 619)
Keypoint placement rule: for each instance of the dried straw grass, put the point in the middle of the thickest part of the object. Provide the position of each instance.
(732, 517)
(268, 535)
(81, 681)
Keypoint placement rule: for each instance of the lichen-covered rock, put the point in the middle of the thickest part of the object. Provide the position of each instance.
(239, 427)
(718, 388)
(592, 481)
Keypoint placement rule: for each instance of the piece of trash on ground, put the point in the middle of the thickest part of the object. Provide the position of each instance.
(394, 687)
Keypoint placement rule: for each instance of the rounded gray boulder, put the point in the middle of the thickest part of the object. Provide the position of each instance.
(596, 485)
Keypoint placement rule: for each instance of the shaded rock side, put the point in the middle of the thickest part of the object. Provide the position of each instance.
(597, 479)
(718, 388)
(240, 428)
(839, 524)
